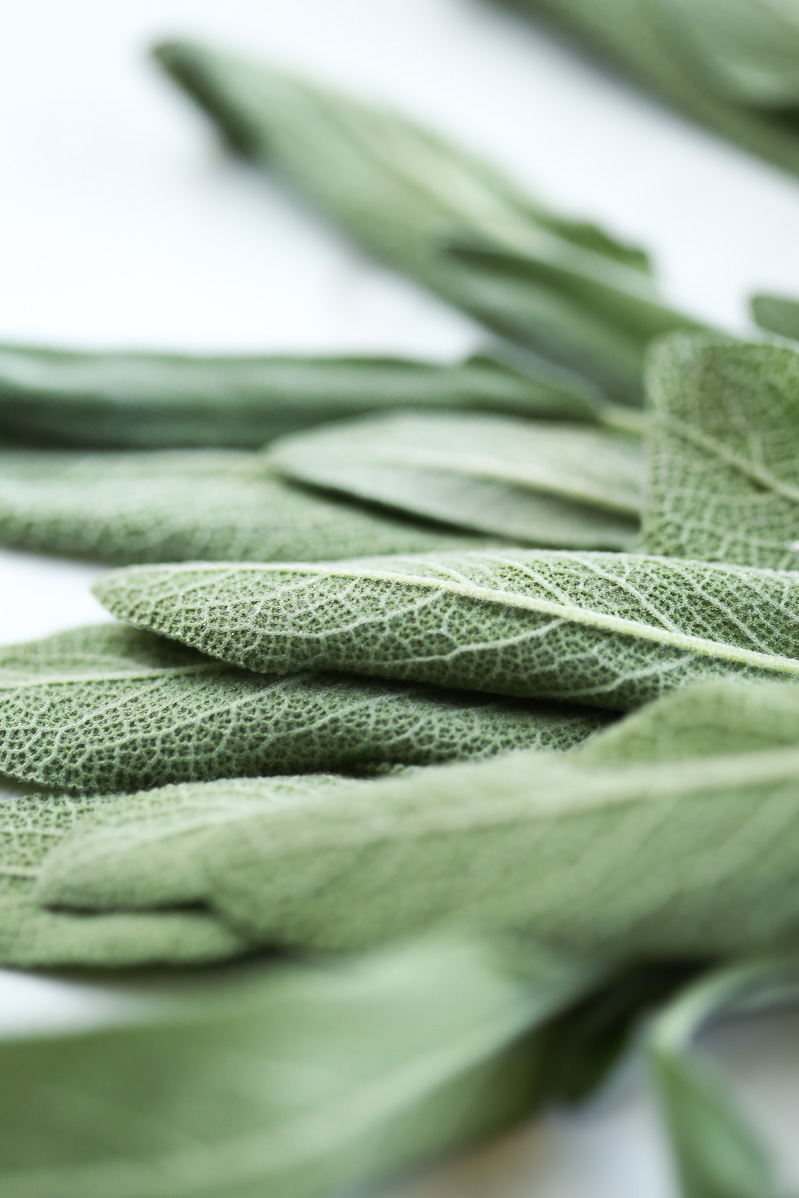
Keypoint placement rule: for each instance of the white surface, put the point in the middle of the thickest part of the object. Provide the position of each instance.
(123, 224)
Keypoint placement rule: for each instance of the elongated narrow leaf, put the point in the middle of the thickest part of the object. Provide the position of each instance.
(538, 483)
(724, 452)
(777, 314)
(717, 1154)
(300, 1082)
(405, 194)
(109, 709)
(728, 64)
(613, 630)
(604, 852)
(147, 400)
(123, 508)
(30, 935)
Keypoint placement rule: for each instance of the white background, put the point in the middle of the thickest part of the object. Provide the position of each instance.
(122, 223)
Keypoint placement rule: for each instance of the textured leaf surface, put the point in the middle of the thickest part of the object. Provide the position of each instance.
(405, 193)
(728, 64)
(123, 508)
(608, 629)
(143, 400)
(30, 935)
(107, 709)
(288, 1083)
(717, 1154)
(539, 483)
(604, 851)
(724, 452)
(776, 314)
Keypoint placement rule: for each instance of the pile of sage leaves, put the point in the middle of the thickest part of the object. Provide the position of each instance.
(450, 718)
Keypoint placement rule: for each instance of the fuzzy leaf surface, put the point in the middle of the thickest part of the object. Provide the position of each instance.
(405, 194)
(611, 630)
(625, 851)
(156, 401)
(123, 508)
(286, 1082)
(538, 483)
(108, 708)
(723, 452)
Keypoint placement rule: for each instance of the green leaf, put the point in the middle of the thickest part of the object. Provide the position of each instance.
(723, 452)
(728, 64)
(612, 630)
(777, 314)
(717, 1154)
(108, 708)
(123, 508)
(30, 935)
(542, 483)
(406, 195)
(147, 400)
(301, 1081)
(662, 858)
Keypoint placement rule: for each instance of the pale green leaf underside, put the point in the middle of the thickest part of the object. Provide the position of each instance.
(108, 708)
(716, 1152)
(30, 935)
(729, 64)
(538, 483)
(686, 858)
(611, 630)
(123, 508)
(286, 1082)
(777, 314)
(724, 452)
(147, 400)
(406, 194)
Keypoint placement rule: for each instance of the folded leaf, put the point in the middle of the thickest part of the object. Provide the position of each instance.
(776, 314)
(107, 709)
(30, 935)
(723, 439)
(406, 194)
(611, 630)
(176, 506)
(605, 852)
(731, 65)
(300, 1082)
(717, 1154)
(146, 400)
(539, 483)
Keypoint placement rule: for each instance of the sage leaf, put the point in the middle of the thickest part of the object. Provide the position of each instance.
(123, 508)
(728, 64)
(31, 935)
(287, 1082)
(129, 400)
(724, 479)
(406, 195)
(716, 1152)
(777, 314)
(612, 630)
(108, 708)
(601, 852)
(538, 483)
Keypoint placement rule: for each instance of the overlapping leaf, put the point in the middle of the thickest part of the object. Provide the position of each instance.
(407, 196)
(147, 400)
(537, 483)
(286, 1082)
(612, 630)
(108, 708)
(123, 508)
(728, 64)
(618, 850)
(777, 314)
(724, 452)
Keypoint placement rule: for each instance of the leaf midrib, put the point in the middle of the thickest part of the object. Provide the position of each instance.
(764, 478)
